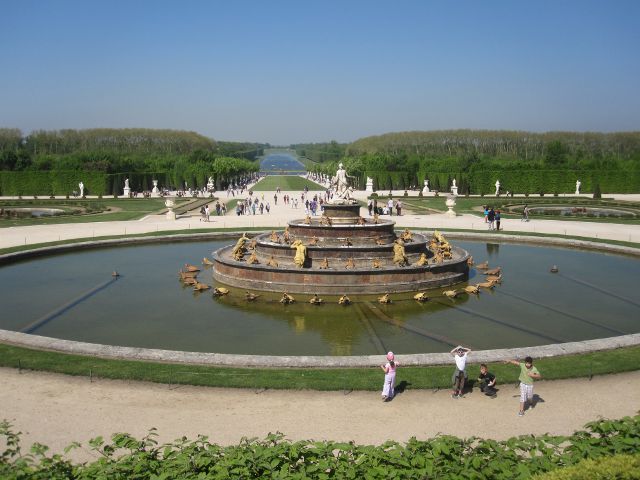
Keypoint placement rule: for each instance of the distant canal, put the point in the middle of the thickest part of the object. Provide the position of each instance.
(281, 163)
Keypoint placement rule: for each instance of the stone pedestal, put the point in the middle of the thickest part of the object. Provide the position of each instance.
(155, 192)
(127, 192)
(454, 191)
(169, 203)
(450, 203)
(425, 189)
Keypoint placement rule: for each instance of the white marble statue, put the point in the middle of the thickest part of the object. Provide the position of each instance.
(497, 187)
(126, 183)
(210, 184)
(340, 182)
(81, 187)
(127, 190)
(578, 187)
(425, 189)
(369, 187)
(454, 187)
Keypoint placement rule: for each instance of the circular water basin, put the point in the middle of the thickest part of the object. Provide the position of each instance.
(73, 296)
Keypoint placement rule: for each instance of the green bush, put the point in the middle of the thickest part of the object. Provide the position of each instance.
(444, 456)
(619, 467)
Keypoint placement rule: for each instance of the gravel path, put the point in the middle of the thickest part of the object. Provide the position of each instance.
(56, 409)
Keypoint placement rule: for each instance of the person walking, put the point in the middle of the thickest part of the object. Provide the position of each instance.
(498, 217)
(370, 206)
(207, 212)
(528, 373)
(399, 208)
(459, 375)
(491, 217)
(388, 389)
(525, 214)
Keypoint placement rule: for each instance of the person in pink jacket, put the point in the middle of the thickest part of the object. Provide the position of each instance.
(388, 390)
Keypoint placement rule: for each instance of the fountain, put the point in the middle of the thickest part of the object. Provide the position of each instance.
(341, 253)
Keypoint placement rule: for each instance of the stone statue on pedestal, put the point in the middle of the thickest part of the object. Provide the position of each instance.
(578, 187)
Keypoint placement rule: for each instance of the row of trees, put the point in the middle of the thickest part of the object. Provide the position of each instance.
(50, 161)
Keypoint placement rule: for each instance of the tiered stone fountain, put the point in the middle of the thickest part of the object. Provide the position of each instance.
(339, 253)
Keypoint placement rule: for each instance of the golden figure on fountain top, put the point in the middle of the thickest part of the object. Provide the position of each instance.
(286, 236)
(307, 220)
(274, 237)
(301, 253)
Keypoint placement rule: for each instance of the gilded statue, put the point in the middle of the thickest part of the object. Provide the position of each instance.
(286, 236)
(406, 236)
(274, 237)
(377, 264)
(324, 264)
(307, 220)
(326, 221)
(399, 257)
(350, 264)
(240, 249)
(253, 259)
(301, 253)
(422, 261)
(272, 262)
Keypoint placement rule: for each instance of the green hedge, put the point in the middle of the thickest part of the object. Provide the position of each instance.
(478, 182)
(46, 183)
(620, 467)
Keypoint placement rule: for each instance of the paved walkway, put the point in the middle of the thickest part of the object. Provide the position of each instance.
(281, 214)
(57, 409)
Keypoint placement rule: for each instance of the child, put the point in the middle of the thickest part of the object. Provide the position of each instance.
(459, 375)
(389, 377)
(527, 374)
(487, 381)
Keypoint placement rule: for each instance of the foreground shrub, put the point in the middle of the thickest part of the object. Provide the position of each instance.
(444, 457)
(620, 467)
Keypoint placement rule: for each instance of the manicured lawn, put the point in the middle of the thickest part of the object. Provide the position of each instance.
(587, 365)
(286, 183)
(111, 209)
(474, 205)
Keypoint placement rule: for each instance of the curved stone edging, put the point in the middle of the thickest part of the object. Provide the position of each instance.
(221, 359)
(232, 360)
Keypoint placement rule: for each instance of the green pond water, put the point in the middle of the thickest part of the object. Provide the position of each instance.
(71, 296)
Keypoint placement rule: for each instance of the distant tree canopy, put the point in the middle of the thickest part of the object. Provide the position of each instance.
(462, 149)
(529, 162)
(106, 155)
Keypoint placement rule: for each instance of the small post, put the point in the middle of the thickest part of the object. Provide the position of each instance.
(19, 366)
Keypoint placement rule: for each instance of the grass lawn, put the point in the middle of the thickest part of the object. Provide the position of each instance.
(586, 365)
(111, 209)
(474, 205)
(286, 183)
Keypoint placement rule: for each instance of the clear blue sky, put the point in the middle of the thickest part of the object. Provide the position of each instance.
(314, 71)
